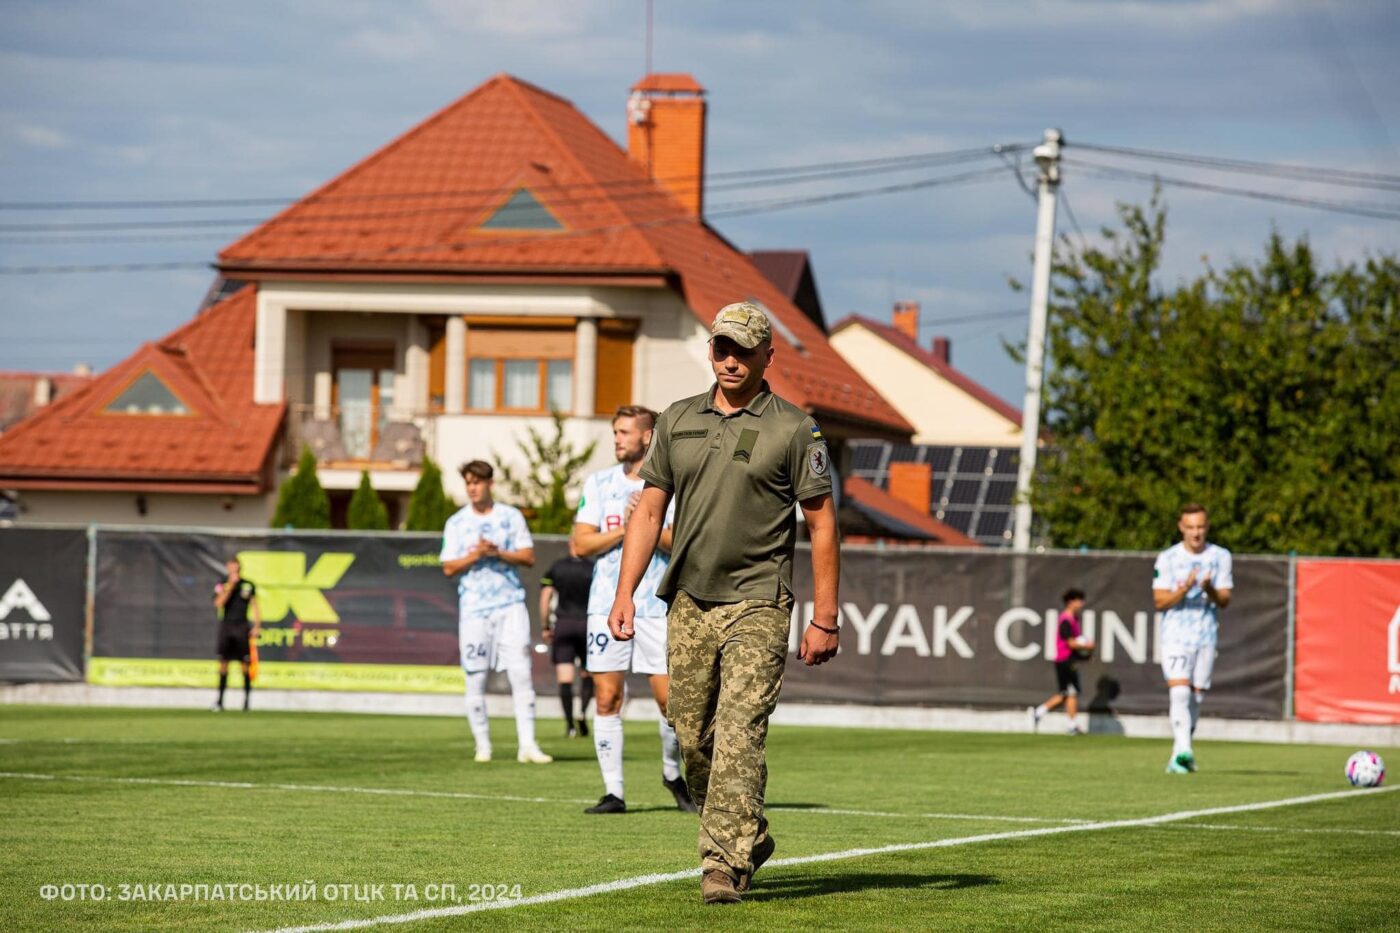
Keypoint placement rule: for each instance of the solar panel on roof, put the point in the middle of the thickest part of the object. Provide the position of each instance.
(1000, 492)
(973, 460)
(964, 492)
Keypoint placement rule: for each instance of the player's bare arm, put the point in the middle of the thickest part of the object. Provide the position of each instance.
(256, 612)
(643, 535)
(590, 542)
(821, 638)
(1165, 599)
(546, 603)
(1220, 597)
(525, 557)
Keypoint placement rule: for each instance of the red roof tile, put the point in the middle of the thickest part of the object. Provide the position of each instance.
(958, 378)
(224, 442)
(17, 393)
(900, 516)
(415, 205)
(669, 83)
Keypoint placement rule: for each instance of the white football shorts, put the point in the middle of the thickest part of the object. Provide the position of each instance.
(495, 640)
(645, 653)
(1195, 664)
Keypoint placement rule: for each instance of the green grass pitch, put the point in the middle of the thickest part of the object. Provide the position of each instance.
(159, 799)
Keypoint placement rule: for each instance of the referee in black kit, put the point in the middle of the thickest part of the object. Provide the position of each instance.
(233, 598)
(568, 579)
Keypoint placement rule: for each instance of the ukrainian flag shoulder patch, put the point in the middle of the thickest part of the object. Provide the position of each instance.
(816, 433)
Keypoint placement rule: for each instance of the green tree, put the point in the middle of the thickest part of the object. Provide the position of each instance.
(429, 508)
(1267, 391)
(552, 469)
(301, 502)
(367, 511)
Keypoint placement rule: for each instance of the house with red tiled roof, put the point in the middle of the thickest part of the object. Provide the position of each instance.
(945, 405)
(501, 260)
(24, 393)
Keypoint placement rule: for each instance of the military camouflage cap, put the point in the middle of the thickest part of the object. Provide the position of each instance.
(742, 322)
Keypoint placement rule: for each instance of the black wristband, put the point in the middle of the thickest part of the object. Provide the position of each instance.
(823, 628)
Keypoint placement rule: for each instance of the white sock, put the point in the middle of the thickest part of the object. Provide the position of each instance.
(1041, 710)
(1180, 718)
(476, 711)
(670, 752)
(522, 692)
(1196, 697)
(607, 745)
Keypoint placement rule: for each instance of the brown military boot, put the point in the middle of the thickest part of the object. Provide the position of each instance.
(718, 888)
(761, 853)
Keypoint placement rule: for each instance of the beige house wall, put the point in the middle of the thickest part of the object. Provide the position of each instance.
(941, 412)
(120, 508)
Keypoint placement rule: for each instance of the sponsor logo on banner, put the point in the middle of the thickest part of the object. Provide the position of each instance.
(20, 596)
(286, 586)
(1017, 633)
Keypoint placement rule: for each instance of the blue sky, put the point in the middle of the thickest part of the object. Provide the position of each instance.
(130, 99)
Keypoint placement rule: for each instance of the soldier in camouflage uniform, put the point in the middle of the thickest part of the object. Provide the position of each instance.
(736, 458)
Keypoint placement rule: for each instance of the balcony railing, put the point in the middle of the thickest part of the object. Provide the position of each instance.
(355, 437)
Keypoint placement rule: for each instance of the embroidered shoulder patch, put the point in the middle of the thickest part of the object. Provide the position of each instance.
(817, 460)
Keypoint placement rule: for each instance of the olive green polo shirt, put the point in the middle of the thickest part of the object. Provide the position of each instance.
(735, 479)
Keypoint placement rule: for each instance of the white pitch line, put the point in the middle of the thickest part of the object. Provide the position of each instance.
(837, 811)
(313, 788)
(624, 884)
(1240, 827)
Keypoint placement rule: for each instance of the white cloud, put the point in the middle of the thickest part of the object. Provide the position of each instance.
(40, 137)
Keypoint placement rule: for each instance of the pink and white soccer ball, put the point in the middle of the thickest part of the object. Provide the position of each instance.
(1365, 769)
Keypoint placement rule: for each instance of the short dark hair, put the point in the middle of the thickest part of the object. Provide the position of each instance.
(1190, 508)
(478, 468)
(636, 411)
(1072, 594)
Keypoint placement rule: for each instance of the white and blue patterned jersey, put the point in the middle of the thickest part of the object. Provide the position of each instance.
(1192, 622)
(603, 505)
(490, 583)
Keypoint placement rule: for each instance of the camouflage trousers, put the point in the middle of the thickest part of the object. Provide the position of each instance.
(726, 662)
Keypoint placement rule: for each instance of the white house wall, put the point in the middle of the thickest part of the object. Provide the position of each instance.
(161, 509)
(497, 438)
(941, 412)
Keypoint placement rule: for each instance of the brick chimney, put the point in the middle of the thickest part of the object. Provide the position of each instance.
(906, 319)
(943, 350)
(666, 135)
(912, 484)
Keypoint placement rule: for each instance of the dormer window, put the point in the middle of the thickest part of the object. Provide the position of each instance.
(148, 395)
(522, 212)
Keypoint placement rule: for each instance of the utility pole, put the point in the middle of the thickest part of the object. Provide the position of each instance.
(1047, 157)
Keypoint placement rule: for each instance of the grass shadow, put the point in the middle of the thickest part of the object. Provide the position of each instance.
(777, 887)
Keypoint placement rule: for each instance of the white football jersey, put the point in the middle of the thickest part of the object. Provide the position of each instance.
(1192, 623)
(490, 583)
(603, 505)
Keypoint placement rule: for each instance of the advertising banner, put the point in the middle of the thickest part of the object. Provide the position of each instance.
(978, 629)
(339, 611)
(374, 612)
(1347, 661)
(43, 582)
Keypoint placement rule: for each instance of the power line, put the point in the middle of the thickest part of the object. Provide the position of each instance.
(1340, 207)
(918, 159)
(494, 199)
(737, 209)
(1331, 176)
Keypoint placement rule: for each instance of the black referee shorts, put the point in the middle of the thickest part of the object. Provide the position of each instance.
(233, 646)
(570, 640)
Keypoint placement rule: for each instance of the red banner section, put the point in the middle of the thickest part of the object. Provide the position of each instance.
(1347, 666)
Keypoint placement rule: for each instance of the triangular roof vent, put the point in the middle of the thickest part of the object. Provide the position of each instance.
(522, 211)
(148, 395)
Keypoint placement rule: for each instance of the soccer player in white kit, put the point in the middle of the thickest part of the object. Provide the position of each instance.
(1191, 581)
(604, 508)
(484, 543)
